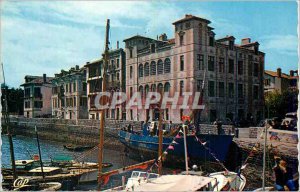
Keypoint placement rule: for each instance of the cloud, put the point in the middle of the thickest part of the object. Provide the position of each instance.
(283, 44)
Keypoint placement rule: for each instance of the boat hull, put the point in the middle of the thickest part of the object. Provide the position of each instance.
(217, 145)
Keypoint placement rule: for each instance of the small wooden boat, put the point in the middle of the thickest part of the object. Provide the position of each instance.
(78, 148)
(228, 181)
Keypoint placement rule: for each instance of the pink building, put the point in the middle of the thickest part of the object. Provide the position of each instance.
(37, 96)
(234, 73)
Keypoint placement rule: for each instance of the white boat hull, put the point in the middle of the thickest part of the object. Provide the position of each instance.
(90, 176)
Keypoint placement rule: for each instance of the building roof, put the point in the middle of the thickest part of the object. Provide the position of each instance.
(38, 80)
(191, 17)
(137, 36)
(274, 74)
(225, 38)
(249, 44)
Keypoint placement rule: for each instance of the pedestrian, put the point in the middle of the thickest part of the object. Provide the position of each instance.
(283, 176)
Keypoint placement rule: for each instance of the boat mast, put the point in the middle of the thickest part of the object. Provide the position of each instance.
(160, 135)
(185, 149)
(40, 154)
(264, 159)
(6, 117)
(102, 112)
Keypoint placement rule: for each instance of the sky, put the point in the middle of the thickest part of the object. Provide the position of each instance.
(47, 36)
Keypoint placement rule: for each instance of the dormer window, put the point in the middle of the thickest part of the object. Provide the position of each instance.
(153, 48)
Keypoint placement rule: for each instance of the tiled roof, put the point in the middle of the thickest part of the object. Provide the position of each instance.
(274, 74)
(225, 38)
(38, 80)
(190, 17)
(171, 41)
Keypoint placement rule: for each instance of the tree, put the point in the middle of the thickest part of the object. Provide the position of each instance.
(278, 104)
(15, 99)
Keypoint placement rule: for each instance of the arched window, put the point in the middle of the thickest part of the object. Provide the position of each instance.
(141, 70)
(153, 68)
(146, 68)
(160, 87)
(160, 67)
(141, 90)
(167, 87)
(167, 65)
(153, 88)
(146, 90)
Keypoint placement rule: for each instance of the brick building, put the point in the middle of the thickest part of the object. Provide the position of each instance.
(115, 82)
(234, 73)
(69, 96)
(37, 96)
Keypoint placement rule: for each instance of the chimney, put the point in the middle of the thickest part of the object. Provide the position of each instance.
(87, 63)
(279, 72)
(163, 37)
(117, 44)
(291, 73)
(245, 41)
(77, 67)
(44, 78)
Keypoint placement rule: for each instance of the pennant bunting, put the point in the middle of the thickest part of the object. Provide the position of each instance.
(174, 142)
(171, 147)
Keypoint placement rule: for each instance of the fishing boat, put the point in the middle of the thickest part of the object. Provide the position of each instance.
(228, 181)
(78, 148)
(218, 144)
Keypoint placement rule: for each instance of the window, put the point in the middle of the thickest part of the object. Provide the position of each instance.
(167, 114)
(74, 86)
(27, 104)
(153, 88)
(83, 101)
(130, 72)
(153, 48)
(211, 63)
(153, 68)
(211, 41)
(84, 86)
(167, 87)
(181, 88)
(141, 90)
(181, 41)
(160, 67)
(27, 92)
(130, 52)
(95, 85)
(118, 63)
(231, 66)
(38, 104)
(230, 90)
(211, 88)
(181, 62)
(255, 70)
(113, 113)
(200, 61)
(118, 76)
(37, 92)
(146, 68)
(141, 70)
(240, 91)
(240, 67)
(255, 92)
(131, 92)
(256, 50)
(74, 100)
(160, 88)
(131, 114)
(221, 89)
(167, 65)
(146, 90)
(231, 44)
(199, 85)
(267, 82)
(221, 65)
(70, 86)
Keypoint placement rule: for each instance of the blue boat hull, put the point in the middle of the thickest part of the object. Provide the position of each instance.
(217, 145)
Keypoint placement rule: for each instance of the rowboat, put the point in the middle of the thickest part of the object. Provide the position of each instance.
(78, 148)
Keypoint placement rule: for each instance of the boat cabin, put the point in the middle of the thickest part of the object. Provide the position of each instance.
(26, 165)
(48, 171)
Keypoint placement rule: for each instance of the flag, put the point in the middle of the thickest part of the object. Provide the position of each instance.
(171, 147)
(204, 143)
(166, 153)
(177, 136)
(244, 166)
(174, 142)
(180, 131)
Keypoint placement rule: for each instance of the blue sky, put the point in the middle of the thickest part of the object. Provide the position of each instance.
(45, 37)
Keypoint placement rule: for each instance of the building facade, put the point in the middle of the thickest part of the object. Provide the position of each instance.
(37, 96)
(278, 81)
(233, 73)
(115, 82)
(69, 94)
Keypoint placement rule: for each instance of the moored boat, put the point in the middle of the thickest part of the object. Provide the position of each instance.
(217, 144)
(78, 148)
(228, 181)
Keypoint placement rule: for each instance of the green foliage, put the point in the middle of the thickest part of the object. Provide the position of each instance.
(278, 104)
(15, 98)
